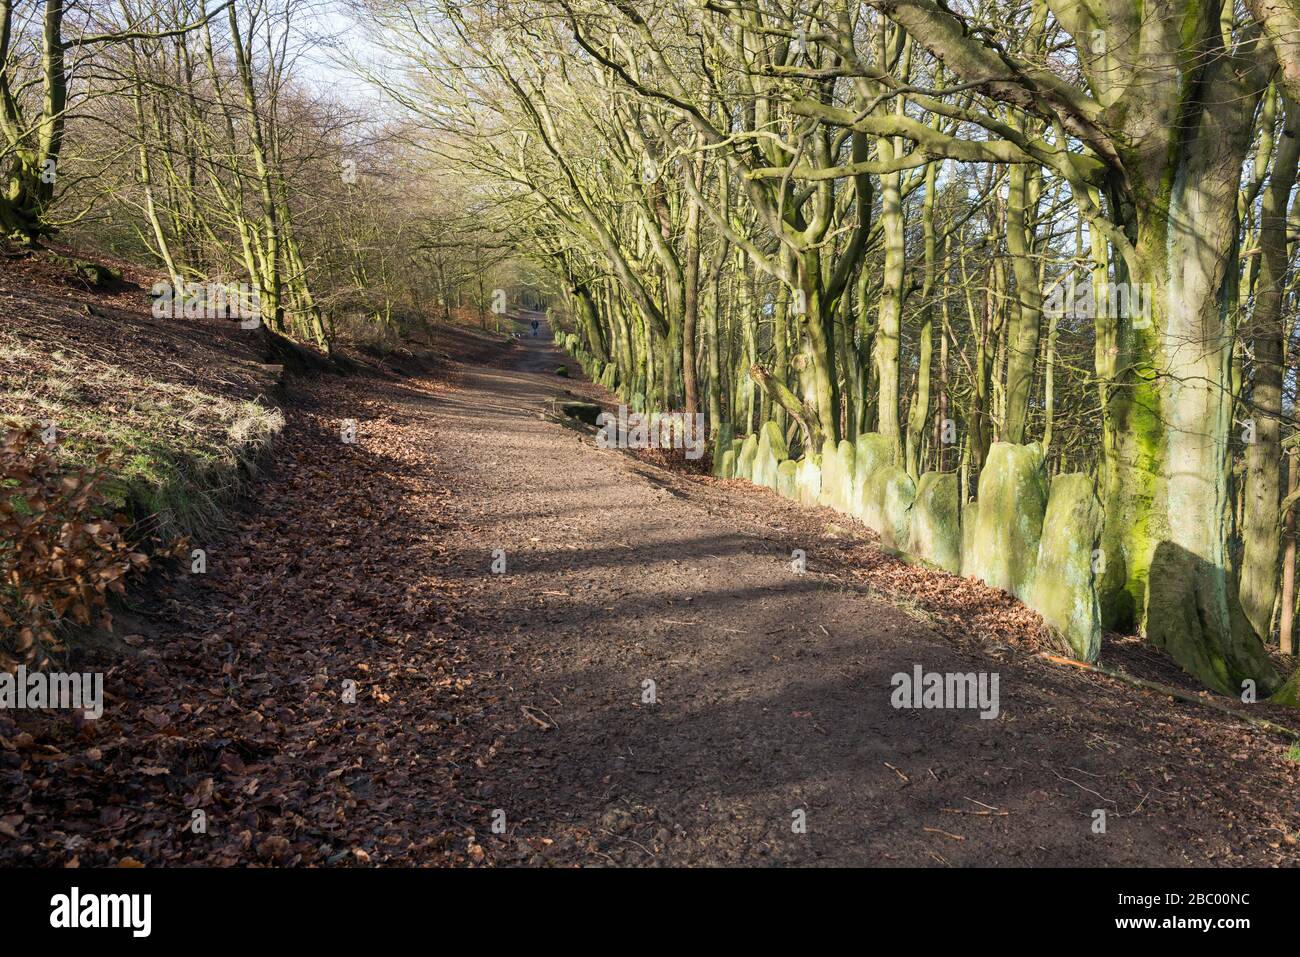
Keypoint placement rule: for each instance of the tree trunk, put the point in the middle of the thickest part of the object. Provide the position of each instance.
(1261, 530)
(1027, 312)
(1286, 634)
(1169, 510)
(889, 322)
(691, 298)
(919, 410)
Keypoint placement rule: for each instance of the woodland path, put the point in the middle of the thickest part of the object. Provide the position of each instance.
(521, 693)
(773, 688)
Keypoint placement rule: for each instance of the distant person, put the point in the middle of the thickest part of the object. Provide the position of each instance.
(536, 325)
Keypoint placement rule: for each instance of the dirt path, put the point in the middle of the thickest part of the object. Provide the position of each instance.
(774, 689)
(517, 699)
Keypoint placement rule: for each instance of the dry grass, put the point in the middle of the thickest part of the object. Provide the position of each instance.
(182, 408)
(177, 452)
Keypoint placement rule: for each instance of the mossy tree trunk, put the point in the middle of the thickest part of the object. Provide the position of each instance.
(1262, 529)
(1169, 506)
(1027, 309)
(34, 146)
(691, 294)
(1168, 112)
(890, 313)
(919, 408)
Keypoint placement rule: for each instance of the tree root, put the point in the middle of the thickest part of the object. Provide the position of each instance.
(1262, 723)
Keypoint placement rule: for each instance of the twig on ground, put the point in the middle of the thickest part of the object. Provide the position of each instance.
(898, 772)
(935, 830)
(1262, 723)
(528, 713)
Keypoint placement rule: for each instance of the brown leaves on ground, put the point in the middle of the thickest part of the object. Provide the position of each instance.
(959, 608)
(307, 694)
(60, 553)
(330, 693)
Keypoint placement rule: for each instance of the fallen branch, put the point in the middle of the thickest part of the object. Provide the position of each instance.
(528, 713)
(1261, 723)
(787, 400)
(958, 810)
(935, 830)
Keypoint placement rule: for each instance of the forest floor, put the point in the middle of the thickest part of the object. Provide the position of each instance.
(517, 699)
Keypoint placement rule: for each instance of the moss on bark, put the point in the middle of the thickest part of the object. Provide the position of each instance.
(787, 479)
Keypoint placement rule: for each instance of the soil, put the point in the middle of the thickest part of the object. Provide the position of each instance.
(517, 702)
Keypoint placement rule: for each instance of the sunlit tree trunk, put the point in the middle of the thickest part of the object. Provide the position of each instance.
(1261, 530)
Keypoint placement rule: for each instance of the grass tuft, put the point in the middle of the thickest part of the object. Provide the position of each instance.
(178, 452)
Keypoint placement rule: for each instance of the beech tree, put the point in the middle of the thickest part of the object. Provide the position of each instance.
(800, 155)
(906, 230)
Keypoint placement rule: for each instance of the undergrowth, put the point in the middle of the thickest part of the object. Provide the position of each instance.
(61, 551)
(177, 453)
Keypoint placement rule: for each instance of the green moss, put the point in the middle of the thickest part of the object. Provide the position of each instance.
(771, 432)
(1174, 619)
(936, 524)
(1012, 497)
(1142, 488)
(787, 479)
(728, 467)
(872, 451)
(721, 443)
(770, 454)
(1063, 591)
(745, 460)
(887, 503)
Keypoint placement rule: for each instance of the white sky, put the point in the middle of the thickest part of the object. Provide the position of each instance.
(338, 37)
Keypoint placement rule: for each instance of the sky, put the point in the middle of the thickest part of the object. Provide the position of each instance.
(340, 38)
